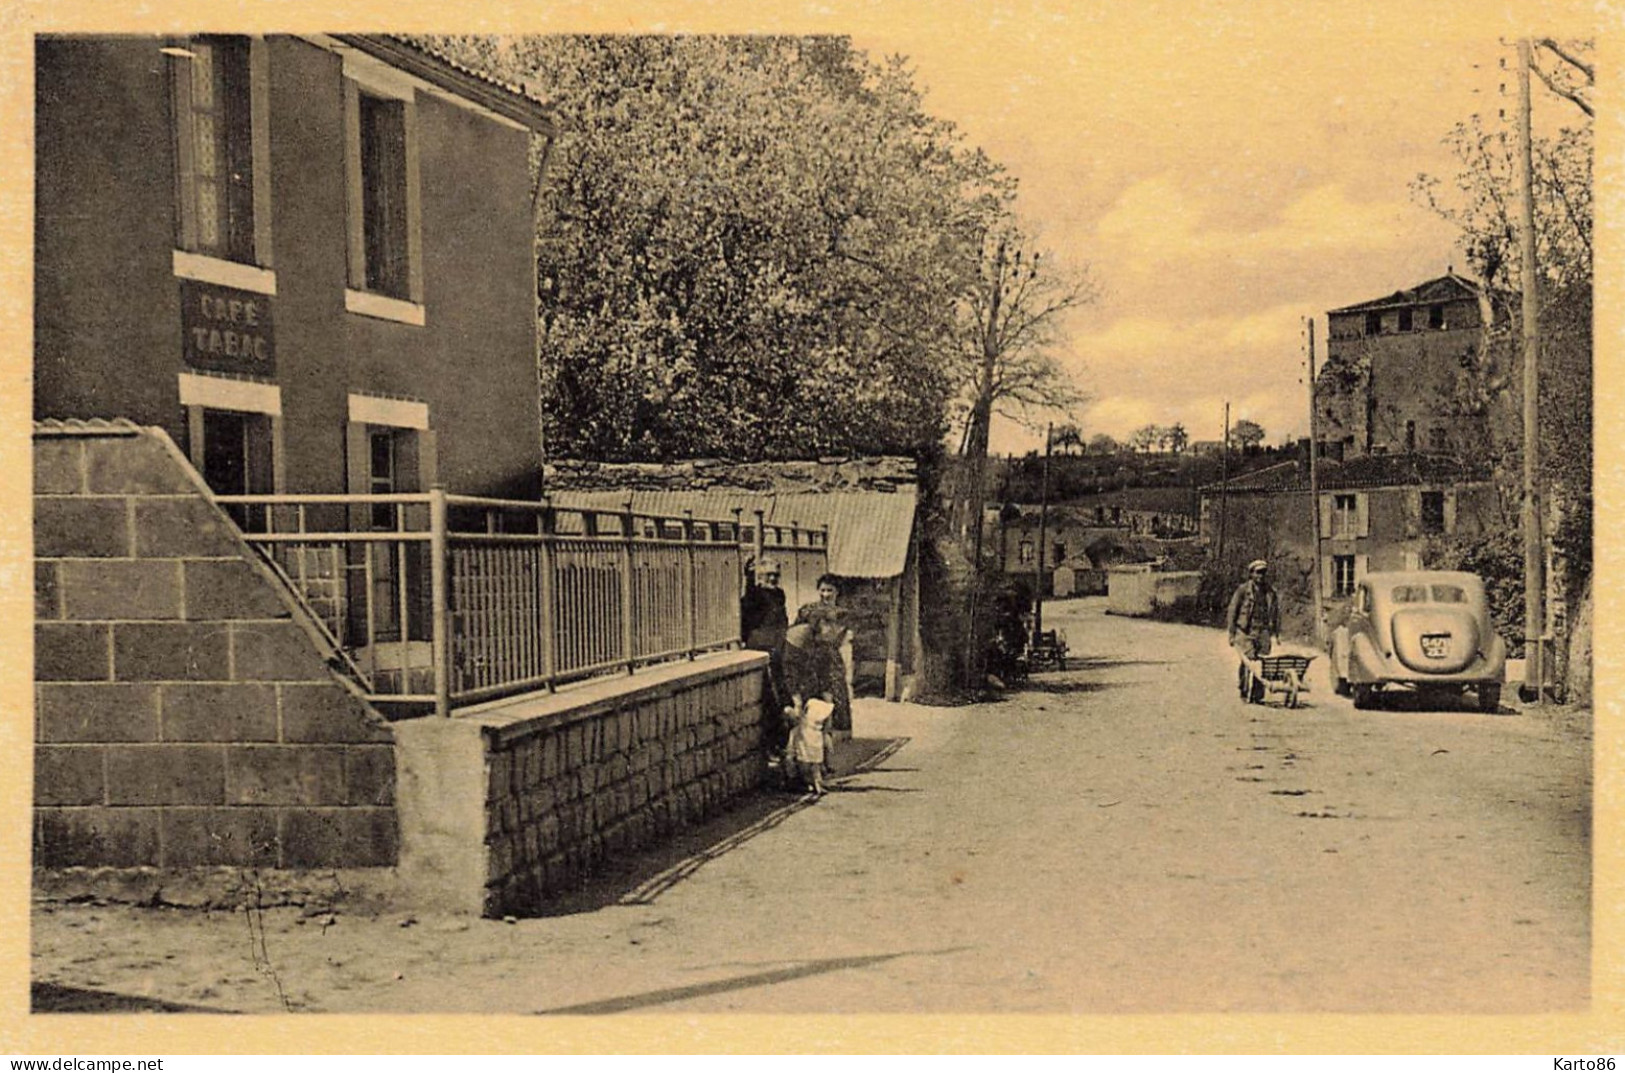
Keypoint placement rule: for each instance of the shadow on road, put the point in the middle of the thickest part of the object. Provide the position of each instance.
(623, 1003)
(61, 998)
(645, 876)
(1404, 700)
(1093, 663)
(1040, 685)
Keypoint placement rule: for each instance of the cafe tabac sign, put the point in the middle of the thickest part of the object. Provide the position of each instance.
(226, 330)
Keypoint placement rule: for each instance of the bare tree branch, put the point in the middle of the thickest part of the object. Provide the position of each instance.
(1569, 58)
(1562, 91)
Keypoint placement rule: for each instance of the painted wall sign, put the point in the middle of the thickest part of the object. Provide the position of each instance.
(226, 330)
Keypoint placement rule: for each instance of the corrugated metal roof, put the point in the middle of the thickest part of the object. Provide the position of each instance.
(869, 532)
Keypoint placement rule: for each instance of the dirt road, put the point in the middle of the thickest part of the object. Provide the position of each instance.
(1124, 836)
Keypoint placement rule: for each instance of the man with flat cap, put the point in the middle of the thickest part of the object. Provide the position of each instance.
(1253, 620)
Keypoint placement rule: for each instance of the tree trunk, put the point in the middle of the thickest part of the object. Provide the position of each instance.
(1577, 682)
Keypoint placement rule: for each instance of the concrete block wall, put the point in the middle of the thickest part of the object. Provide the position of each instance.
(184, 714)
(503, 809)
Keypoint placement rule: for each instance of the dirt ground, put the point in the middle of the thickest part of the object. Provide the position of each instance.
(1124, 836)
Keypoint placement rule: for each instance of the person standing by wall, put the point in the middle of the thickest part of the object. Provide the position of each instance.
(763, 621)
(1252, 622)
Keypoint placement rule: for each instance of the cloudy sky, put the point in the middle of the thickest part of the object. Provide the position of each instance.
(1224, 170)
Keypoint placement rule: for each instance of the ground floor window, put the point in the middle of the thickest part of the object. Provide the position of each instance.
(1433, 512)
(236, 454)
(1342, 575)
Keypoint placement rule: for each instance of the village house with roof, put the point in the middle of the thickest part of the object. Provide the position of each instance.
(1399, 465)
(1398, 369)
(298, 601)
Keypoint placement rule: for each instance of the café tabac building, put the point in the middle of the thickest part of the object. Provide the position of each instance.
(309, 259)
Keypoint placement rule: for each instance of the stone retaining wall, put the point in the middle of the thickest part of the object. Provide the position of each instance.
(503, 808)
(184, 713)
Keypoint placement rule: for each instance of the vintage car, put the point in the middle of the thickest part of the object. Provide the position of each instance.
(1426, 630)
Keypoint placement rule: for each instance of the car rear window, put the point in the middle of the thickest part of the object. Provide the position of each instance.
(1410, 594)
(1449, 594)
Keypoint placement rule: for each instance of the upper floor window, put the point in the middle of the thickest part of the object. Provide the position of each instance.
(1025, 552)
(386, 278)
(222, 149)
(385, 259)
(1345, 515)
(1438, 438)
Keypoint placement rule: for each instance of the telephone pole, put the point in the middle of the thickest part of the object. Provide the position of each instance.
(1534, 559)
(1224, 487)
(1043, 519)
(1314, 495)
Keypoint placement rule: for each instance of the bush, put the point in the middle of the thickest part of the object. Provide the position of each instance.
(1497, 558)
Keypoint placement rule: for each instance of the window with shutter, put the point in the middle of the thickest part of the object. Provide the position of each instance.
(1345, 516)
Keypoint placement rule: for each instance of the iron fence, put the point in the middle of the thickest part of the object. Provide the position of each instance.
(453, 600)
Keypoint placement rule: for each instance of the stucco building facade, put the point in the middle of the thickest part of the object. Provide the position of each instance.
(273, 249)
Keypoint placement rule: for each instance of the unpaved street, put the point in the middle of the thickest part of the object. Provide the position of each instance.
(1125, 836)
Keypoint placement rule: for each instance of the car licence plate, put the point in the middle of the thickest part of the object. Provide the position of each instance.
(1435, 645)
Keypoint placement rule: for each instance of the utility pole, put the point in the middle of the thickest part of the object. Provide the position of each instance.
(1534, 563)
(1314, 494)
(1224, 486)
(1043, 518)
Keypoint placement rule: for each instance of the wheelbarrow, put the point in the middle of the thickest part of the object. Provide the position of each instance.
(1285, 674)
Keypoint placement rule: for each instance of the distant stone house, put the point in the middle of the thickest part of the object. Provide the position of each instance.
(1398, 370)
(1081, 540)
(1377, 512)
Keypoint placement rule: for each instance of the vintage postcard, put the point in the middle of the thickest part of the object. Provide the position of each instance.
(1043, 526)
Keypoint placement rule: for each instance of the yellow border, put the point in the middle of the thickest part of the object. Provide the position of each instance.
(1113, 32)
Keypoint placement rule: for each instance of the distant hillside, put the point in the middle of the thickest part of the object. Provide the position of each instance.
(1156, 481)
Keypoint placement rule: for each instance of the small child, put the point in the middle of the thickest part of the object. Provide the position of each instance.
(806, 749)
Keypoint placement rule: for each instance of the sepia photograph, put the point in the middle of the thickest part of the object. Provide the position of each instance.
(1033, 508)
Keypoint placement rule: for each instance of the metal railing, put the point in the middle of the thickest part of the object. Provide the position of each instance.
(453, 600)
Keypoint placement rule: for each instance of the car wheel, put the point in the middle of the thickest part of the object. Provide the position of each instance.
(1489, 698)
(1364, 696)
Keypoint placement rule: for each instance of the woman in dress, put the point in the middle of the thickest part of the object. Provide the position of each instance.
(831, 653)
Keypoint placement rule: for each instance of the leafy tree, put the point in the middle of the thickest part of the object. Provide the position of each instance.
(747, 246)
(1144, 438)
(1067, 439)
(1102, 444)
(1481, 201)
(1173, 438)
(1247, 433)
